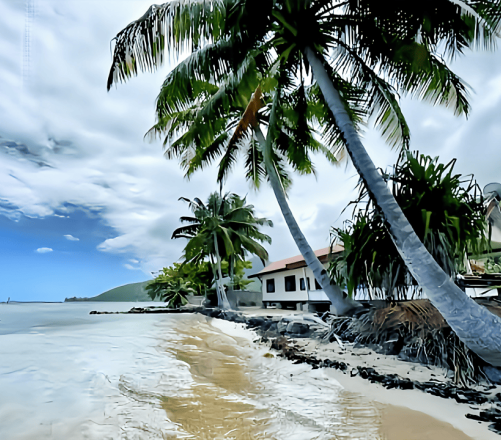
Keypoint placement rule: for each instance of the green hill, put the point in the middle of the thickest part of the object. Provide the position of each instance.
(127, 293)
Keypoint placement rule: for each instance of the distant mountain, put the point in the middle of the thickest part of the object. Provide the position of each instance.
(127, 293)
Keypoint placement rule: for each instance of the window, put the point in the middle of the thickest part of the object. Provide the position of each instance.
(302, 285)
(290, 284)
(317, 285)
(270, 285)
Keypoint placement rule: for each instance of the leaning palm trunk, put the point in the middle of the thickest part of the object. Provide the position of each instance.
(221, 296)
(333, 292)
(478, 328)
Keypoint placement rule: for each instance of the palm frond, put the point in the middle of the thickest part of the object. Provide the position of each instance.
(255, 171)
(174, 27)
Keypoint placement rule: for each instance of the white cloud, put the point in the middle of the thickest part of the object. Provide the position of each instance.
(71, 238)
(130, 267)
(43, 250)
(92, 154)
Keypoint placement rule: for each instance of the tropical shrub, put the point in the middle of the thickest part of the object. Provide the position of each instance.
(175, 283)
(493, 265)
(445, 210)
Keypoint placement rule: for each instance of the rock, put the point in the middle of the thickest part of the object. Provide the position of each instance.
(493, 374)
(298, 328)
(233, 316)
(273, 327)
(282, 326)
(257, 322)
(279, 343)
(214, 313)
(490, 415)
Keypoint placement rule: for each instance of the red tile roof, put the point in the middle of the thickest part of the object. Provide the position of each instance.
(296, 261)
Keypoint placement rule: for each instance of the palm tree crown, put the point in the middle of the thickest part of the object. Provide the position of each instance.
(229, 219)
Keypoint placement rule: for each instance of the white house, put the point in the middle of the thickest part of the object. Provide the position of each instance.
(290, 282)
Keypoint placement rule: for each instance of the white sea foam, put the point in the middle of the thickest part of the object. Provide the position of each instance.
(65, 374)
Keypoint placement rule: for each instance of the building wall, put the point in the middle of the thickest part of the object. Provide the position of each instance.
(298, 295)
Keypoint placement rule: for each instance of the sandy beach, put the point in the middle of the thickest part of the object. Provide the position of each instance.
(441, 414)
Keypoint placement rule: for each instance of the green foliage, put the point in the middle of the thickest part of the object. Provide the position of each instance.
(445, 211)
(223, 229)
(237, 276)
(237, 44)
(171, 291)
(175, 283)
(493, 265)
(224, 226)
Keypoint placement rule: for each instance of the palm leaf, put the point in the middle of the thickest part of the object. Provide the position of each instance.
(173, 27)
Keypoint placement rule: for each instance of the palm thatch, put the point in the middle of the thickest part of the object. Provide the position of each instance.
(415, 331)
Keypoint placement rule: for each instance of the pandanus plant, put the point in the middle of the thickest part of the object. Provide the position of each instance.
(446, 211)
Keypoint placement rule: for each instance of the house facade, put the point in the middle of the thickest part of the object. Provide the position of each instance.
(290, 282)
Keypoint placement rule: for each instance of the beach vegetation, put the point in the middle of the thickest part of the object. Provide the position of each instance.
(493, 265)
(387, 52)
(445, 209)
(223, 228)
(171, 287)
(236, 131)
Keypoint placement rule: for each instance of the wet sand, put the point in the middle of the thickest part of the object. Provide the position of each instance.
(435, 417)
(230, 396)
(399, 423)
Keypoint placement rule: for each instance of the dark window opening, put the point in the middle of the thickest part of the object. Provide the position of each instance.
(270, 285)
(302, 285)
(290, 284)
(317, 285)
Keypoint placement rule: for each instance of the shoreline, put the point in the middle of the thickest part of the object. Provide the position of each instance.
(389, 380)
(383, 378)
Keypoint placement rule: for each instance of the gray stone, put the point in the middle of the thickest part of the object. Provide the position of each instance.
(298, 328)
(234, 316)
(282, 326)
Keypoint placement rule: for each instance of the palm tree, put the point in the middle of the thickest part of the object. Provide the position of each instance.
(197, 142)
(223, 228)
(383, 50)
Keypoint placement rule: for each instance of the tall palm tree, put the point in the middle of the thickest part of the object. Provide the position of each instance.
(197, 142)
(223, 228)
(384, 50)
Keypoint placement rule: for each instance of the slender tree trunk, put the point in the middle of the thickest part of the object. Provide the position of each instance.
(333, 292)
(216, 280)
(231, 287)
(224, 300)
(478, 328)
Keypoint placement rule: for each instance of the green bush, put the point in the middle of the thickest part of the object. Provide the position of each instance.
(445, 210)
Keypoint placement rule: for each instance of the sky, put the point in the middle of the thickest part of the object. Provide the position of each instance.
(86, 204)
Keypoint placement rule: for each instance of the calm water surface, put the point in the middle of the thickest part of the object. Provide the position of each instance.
(65, 374)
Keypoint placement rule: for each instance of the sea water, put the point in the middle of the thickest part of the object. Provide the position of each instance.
(65, 374)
